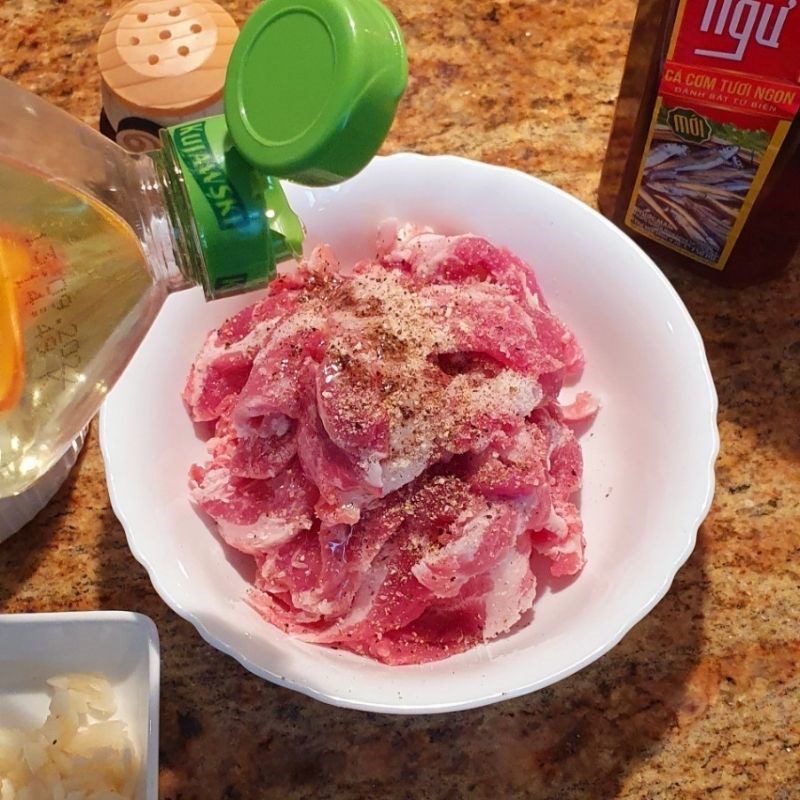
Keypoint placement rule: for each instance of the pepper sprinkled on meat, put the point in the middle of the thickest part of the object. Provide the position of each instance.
(389, 447)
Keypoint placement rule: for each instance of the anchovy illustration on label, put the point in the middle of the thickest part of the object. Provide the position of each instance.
(663, 152)
(695, 162)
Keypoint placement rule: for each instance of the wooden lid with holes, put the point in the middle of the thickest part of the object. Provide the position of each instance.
(169, 57)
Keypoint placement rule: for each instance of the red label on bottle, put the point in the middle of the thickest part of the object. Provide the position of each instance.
(729, 89)
(749, 36)
(746, 94)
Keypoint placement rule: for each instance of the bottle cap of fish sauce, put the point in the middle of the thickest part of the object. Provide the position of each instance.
(162, 63)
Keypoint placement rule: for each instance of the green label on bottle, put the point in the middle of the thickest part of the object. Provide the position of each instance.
(242, 221)
(194, 149)
(688, 125)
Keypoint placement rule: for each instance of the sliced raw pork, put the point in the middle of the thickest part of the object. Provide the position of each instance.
(389, 447)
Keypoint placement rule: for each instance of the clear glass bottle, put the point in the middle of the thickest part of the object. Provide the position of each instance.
(91, 241)
(93, 238)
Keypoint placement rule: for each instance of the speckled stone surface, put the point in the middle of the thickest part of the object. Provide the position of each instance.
(701, 699)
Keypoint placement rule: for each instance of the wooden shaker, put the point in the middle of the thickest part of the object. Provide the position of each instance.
(162, 62)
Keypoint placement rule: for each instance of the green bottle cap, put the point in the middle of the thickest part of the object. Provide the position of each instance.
(312, 87)
(311, 90)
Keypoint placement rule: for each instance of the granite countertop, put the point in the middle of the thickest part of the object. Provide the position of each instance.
(701, 698)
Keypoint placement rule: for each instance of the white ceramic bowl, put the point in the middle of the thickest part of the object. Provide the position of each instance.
(120, 644)
(649, 456)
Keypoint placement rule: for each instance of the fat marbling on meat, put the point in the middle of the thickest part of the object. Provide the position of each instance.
(389, 447)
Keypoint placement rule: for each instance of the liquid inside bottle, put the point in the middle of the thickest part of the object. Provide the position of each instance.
(77, 297)
(92, 238)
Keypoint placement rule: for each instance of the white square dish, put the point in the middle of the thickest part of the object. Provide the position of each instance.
(121, 645)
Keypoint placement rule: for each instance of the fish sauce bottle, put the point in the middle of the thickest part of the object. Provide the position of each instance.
(93, 238)
(703, 161)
